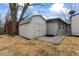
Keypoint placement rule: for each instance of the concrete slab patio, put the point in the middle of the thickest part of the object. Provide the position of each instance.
(55, 39)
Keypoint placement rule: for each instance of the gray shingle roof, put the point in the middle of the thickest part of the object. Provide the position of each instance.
(58, 19)
(28, 19)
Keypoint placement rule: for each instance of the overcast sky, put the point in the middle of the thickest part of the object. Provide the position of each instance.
(47, 10)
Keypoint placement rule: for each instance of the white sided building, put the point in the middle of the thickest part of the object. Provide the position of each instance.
(57, 26)
(32, 27)
(75, 24)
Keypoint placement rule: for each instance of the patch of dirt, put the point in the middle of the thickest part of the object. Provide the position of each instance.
(18, 46)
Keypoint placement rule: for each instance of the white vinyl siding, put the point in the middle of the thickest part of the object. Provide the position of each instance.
(52, 28)
(74, 25)
(39, 26)
(25, 30)
(35, 28)
(61, 29)
(55, 28)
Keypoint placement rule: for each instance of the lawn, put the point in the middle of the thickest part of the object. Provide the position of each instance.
(18, 46)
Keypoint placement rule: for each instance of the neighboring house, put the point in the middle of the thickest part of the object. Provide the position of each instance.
(32, 27)
(75, 24)
(57, 26)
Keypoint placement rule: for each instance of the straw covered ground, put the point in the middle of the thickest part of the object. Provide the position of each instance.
(18, 46)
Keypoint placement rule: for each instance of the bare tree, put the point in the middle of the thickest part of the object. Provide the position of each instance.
(72, 11)
(1, 25)
(0, 20)
(6, 20)
(13, 10)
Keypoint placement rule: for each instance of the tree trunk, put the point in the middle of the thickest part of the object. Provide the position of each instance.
(13, 9)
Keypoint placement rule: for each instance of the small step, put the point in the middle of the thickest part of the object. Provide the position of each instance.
(54, 40)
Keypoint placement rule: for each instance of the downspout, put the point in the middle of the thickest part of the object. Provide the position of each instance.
(70, 25)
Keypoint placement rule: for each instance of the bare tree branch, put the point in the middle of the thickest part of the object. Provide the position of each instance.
(24, 10)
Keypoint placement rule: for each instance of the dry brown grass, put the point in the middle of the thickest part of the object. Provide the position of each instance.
(20, 46)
